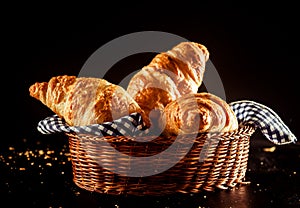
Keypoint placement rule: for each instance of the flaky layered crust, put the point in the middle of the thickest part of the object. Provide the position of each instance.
(168, 76)
(85, 100)
(198, 113)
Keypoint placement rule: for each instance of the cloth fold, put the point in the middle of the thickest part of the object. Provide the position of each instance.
(247, 113)
(131, 125)
(265, 119)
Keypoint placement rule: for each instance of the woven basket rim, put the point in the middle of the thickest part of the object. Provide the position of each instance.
(242, 129)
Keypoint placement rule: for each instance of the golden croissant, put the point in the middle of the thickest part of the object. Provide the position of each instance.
(168, 76)
(198, 113)
(84, 100)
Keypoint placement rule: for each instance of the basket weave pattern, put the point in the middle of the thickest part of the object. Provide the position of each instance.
(224, 165)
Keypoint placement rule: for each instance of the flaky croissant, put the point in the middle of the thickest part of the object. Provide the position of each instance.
(198, 113)
(168, 76)
(84, 100)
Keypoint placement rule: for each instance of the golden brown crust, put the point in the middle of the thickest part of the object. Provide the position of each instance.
(198, 113)
(173, 73)
(85, 100)
(231, 122)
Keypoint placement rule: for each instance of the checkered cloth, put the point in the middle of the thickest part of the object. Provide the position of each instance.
(247, 113)
(131, 125)
(265, 119)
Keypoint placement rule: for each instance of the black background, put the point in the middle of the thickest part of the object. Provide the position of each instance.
(254, 47)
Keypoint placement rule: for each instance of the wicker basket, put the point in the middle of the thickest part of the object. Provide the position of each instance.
(224, 165)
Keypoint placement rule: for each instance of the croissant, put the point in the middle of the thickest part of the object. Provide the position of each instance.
(198, 113)
(84, 100)
(168, 76)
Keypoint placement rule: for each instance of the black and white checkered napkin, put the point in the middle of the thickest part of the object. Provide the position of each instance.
(265, 119)
(247, 113)
(131, 125)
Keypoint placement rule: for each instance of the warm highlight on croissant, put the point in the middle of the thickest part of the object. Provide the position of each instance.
(168, 76)
(198, 113)
(85, 100)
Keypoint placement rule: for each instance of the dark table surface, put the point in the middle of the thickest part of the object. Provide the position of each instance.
(253, 48)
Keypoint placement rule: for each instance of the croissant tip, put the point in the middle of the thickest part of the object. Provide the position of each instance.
(204, 50)
(35, 88)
